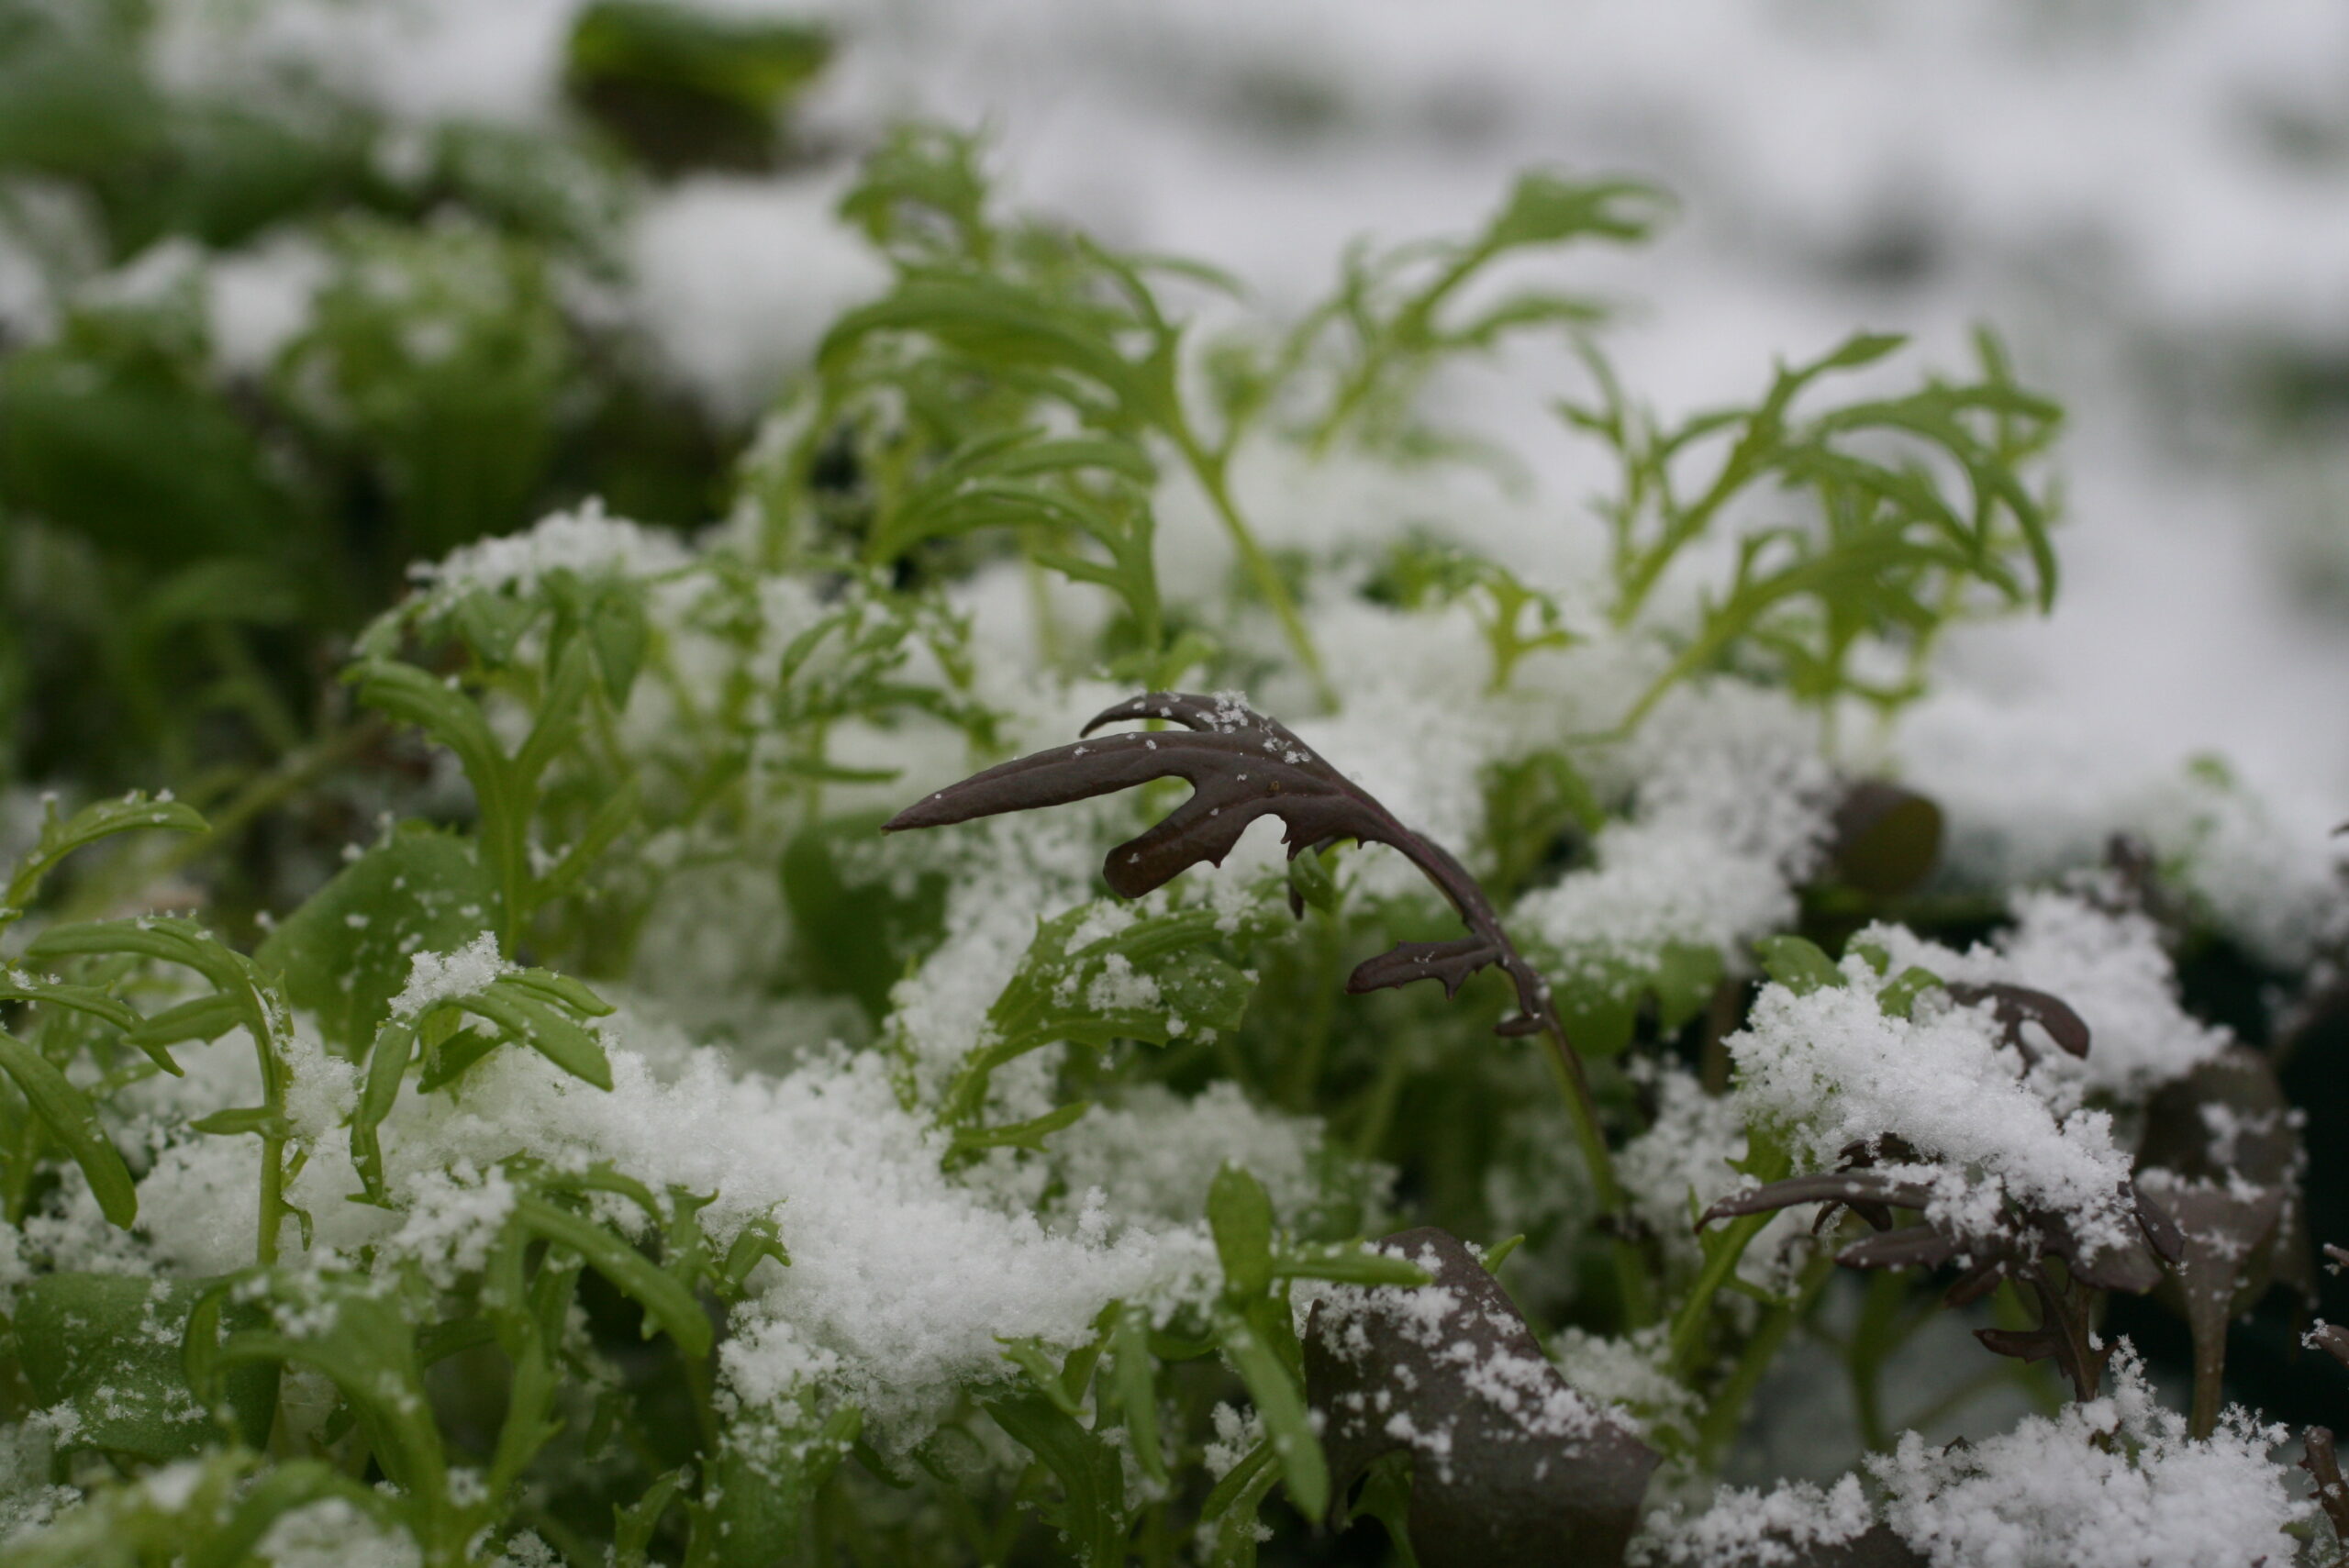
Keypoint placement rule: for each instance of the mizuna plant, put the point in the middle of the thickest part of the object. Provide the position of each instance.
(544, 1118)
(1241, 766)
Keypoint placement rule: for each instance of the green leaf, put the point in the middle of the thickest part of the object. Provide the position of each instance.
(1348, 1265)
(100, 819)
(1898, 999)
(1798, 964)
(201, 1017)
(259, 1120)
(1132, 1386)
(1028, 1135)
(1241, 1215)
(760, 1240)
(1092, 1482)
(1228, 1518)
(524, 1016)
(1686, 975)
(348, 950)
(121, 444)
(666, 1303)
(74, 1122)
(854, 938)
(1598, 1007)
(1254, 1342)
(351, 1328)
(766, 1480)
(108, 1346)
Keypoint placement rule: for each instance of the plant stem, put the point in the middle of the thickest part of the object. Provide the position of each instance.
(1573, 1084)
(1687, 1342)
(1209, 471)
(1726, 1413)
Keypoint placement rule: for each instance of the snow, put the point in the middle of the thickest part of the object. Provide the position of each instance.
(2109, 966)
(585, 540)
(902, 1277)
(1833, 1070)
(736, 279)
(2062, 1493)
(434, 978)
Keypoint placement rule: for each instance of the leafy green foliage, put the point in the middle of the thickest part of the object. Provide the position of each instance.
(107, 1347)
(346, 951)
(1886, 551)
(569, 1308)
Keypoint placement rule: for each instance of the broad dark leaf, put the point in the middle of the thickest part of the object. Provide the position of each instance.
(2221, 1153)
(1888, 839)
(1510, 1467)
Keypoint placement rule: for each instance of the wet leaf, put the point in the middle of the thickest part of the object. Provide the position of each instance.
(1511, 1466)
(108, 1346)
(2221, 1154)
(2015, 1005)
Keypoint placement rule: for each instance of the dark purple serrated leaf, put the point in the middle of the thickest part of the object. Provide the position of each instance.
(1241, 766)
(1853, 1189)
(1511, 1468)
(2015, 1005)
(1452, 962)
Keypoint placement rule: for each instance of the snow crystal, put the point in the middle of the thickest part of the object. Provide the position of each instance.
(1757, 1530)
(2062, 1493)
(1153, 1154)
(736, 280)
(435, 977)
(1835, 1069)
(1683, 1159)
(586, 541)
(1731, 818)
(902, 1277)
(2108, 966)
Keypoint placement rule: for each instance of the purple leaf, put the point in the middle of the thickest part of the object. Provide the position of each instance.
(1510, 1467)
(2015, 1005)
(1241, 765)
(1452, 962)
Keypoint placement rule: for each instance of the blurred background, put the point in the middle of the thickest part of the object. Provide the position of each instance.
(295, 292)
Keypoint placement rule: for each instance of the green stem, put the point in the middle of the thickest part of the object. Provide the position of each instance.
(1873, 1339)
(1719, 1426)
(1688, 1323)
(1574, 1086)
(1208, 470)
